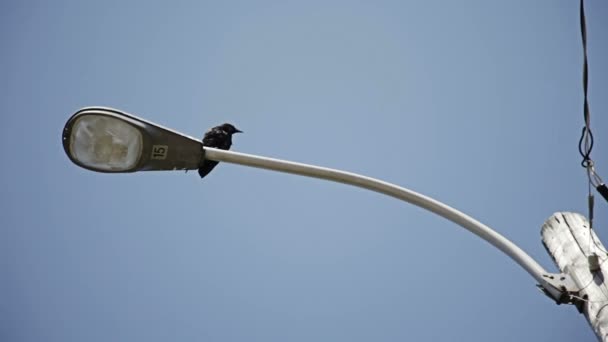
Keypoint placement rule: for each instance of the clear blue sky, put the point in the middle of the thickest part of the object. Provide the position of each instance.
(475, 103)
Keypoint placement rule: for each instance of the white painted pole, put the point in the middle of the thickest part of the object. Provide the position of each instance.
(441, 209)
(572, 244)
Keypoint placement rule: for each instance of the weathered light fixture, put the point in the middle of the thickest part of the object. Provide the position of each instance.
(108, 140)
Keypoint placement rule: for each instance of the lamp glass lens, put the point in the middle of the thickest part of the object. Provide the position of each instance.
(105, 143)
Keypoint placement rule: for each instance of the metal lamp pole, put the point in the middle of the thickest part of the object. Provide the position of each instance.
(406, 195)
(108, 140)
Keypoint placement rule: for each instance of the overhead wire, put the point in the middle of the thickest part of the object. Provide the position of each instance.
(585, 143)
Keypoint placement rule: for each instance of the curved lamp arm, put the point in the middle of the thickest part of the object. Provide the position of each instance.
(108, 140)
(409, 196)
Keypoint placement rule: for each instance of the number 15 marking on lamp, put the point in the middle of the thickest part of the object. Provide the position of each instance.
(160, 152)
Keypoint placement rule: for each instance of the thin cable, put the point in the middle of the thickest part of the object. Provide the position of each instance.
(594, 179)
(587, 300)
(591, 281)
(585, 144)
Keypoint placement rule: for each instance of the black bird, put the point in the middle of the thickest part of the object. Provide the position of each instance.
(217, 137)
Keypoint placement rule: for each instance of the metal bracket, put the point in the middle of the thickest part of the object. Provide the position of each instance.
(567, 288)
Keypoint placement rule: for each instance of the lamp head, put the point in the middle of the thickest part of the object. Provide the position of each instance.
(108, 140)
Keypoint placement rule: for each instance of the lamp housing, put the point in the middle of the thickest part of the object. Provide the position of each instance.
(108, 140)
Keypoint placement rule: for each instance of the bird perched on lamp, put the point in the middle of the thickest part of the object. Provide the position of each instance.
(217, 137)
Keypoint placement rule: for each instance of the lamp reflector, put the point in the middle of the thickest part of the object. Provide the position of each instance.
(105, 143)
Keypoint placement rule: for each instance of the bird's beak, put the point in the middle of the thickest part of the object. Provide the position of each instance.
(236, 130)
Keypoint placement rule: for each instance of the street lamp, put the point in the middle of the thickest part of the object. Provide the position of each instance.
(108, 140)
